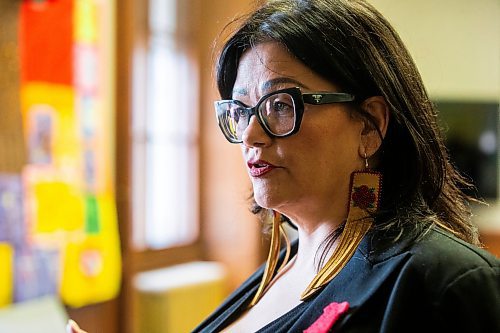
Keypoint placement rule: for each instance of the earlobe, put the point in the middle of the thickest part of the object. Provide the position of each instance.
(376, 125)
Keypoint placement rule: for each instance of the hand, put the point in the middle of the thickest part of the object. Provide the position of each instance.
(72, 327)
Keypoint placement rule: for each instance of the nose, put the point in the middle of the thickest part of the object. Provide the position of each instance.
(254, 135)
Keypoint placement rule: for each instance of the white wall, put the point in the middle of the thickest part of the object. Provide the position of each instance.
(455, 44)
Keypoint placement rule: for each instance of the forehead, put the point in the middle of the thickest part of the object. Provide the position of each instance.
(269, 66)
(272, 57)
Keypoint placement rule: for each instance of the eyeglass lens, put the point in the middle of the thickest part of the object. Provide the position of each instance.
(276, 113)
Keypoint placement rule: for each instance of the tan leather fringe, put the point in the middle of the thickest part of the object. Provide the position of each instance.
(272, 258)
(352, 235)
(359, 221)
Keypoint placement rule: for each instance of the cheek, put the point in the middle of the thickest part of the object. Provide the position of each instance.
(335, 146)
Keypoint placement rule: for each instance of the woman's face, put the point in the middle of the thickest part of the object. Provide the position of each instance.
(305, 175)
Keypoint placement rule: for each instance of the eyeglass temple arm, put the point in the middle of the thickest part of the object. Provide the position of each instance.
(327, 98)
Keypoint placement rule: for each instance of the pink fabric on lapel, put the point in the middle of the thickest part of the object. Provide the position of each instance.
(331, 313)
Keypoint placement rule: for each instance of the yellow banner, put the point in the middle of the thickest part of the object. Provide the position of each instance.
(6, 273)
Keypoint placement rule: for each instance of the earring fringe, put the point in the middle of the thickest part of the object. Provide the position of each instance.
(288, 247)
(273, 256)
(364, 201)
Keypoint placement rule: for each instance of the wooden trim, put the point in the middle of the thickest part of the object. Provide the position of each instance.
(101, 317)
(131, 16)
(124, 40)
(125, 27)
(152, 259)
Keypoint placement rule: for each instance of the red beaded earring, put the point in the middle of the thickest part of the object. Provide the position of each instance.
(364, 200)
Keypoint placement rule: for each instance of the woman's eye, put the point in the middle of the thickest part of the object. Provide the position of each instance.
(237, 113)
(243, 113)
(280, 106)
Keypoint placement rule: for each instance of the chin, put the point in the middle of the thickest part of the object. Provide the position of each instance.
(268, 201)
(264, 201)
(270, 194)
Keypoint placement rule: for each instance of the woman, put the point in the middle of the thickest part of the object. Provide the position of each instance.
(341, 142)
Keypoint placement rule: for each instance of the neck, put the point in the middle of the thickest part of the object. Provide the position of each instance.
(311, 243)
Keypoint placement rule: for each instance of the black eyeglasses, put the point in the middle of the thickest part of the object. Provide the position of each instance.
(279, 113)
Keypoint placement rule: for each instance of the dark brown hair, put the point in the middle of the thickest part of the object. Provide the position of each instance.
(351, 44)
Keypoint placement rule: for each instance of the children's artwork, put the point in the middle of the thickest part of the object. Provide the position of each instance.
(41, 132)
(6, 273)
(59, 206)
(36, 273)
(46, 41)
(91, 263)
(87, 21)
(86, 67)
(12, 227)
(58, 223)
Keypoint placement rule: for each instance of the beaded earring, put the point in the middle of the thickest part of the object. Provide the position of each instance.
(364, 200)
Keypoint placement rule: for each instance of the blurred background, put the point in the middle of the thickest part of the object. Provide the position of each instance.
(121, 204)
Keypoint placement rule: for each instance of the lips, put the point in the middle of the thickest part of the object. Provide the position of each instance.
(259, 168)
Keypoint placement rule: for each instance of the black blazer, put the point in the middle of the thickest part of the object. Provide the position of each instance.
(435, 284)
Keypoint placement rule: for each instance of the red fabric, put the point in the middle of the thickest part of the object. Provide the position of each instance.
(46, 41)
(331, 314)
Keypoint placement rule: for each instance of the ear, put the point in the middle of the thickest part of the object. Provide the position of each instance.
(375, 128)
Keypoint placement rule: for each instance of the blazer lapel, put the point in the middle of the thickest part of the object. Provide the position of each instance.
(355, 284)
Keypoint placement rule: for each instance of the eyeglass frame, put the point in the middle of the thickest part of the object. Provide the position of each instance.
(299, 99)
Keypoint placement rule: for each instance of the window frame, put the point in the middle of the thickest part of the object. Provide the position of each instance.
(131, 19)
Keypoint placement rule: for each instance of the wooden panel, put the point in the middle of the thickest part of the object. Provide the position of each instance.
(491, 241)
(231, 233)
(12, 151)
(97, 318)
(152, 259)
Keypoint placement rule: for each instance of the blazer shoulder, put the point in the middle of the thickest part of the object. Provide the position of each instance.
(442, 247)
(441, 261)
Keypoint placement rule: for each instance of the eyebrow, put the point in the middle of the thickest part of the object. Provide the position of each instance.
(268, 85)
(240, 91)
